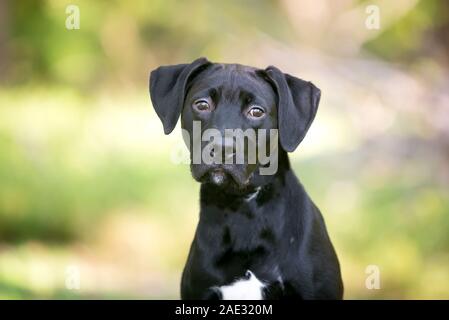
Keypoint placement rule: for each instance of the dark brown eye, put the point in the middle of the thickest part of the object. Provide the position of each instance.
(202, 105)
(256, 112)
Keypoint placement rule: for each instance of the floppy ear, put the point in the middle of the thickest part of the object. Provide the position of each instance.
(297, 105)
(168, 89)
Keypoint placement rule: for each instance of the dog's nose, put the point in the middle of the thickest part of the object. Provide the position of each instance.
(225, 147)
(225, 156)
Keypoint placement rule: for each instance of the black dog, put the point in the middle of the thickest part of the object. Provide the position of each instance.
(261, 228)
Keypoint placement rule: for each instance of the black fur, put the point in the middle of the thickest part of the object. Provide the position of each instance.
(279, 234)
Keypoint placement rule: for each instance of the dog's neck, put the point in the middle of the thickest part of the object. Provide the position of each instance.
(231, 215)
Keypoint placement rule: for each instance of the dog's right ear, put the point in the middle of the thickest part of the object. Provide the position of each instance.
(168, 89)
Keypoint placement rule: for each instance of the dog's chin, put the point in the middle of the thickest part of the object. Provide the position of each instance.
(229, 177)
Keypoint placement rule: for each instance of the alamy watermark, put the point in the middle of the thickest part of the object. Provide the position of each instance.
(72, 22)
(72, 278)
(372, 21)
(372, 281)
(211, 147)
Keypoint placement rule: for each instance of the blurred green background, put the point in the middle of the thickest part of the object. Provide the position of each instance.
(87, 180)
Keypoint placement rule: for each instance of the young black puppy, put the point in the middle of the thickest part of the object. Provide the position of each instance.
(251, 222)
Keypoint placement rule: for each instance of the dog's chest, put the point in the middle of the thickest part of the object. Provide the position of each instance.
(243, 245)
(243, 233)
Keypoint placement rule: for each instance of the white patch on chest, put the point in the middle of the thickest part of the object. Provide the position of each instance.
(247, 288)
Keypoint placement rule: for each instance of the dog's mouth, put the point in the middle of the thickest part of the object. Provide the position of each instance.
(236, 176)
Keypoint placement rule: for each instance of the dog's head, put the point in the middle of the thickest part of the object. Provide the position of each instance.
(230, 108)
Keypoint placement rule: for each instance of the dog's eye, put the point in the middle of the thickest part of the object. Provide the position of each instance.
(256, 112)
(202, 105)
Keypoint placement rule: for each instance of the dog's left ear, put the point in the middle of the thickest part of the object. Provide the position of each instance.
(297, 106)
(168, 89)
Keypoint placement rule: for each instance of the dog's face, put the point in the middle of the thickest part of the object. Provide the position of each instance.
(224, 97)
(214, 99)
